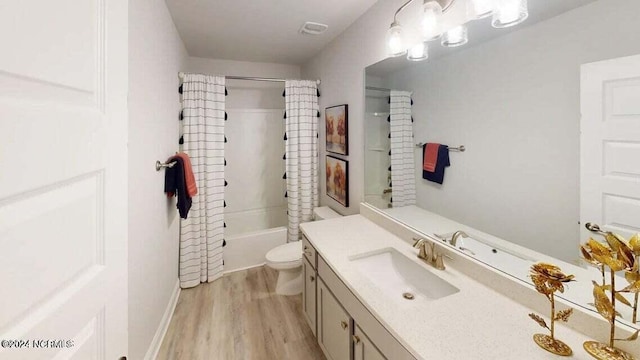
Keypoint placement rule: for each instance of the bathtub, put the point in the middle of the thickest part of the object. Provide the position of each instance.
(251, 234)
(379, 201)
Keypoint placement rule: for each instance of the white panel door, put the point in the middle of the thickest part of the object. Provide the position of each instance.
(610, 146)
(63, 179)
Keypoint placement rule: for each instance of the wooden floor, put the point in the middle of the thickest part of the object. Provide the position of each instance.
(239, 317)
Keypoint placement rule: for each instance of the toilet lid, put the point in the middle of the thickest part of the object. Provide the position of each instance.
(285, 253)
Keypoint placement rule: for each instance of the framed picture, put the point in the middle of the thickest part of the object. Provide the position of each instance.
(336, 119)
(338, 179)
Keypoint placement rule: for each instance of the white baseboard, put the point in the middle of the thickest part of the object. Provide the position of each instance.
(152, 352)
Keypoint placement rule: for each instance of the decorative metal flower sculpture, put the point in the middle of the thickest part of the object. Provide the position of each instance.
(616, 255)
(548, 279)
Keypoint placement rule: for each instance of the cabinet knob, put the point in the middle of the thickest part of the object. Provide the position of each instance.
(344, 324)
(312, 278)
(356, 339)
(305, 248)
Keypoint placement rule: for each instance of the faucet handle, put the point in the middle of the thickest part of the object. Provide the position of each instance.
(417, 241)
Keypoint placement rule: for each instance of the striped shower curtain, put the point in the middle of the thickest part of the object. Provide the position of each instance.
(301, 144)
(403, 181)
(201, 234)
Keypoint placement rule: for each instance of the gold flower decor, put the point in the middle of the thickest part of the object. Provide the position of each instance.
(548, 279)
(615, 255)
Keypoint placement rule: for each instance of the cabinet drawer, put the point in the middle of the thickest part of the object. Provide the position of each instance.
(309, 252)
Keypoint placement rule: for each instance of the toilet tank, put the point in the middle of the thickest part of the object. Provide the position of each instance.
(324, 213)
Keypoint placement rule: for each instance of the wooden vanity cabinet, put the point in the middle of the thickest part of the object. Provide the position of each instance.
(309, 294)
(310, 276)
(344, 327)
(363, 348)
(334, 326)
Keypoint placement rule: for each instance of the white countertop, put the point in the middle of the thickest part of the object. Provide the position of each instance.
(475, 323)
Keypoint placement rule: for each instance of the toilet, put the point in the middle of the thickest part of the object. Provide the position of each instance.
(287, 258)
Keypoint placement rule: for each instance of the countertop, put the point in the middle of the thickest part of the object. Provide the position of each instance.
(474, 323)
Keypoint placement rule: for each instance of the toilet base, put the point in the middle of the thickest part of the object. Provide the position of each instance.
(289, 282)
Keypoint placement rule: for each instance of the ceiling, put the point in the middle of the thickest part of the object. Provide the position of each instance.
(261, 30)
(481, 31)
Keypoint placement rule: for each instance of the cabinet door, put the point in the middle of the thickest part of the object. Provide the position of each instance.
(309, 295)
(334, 326)
(363, 348)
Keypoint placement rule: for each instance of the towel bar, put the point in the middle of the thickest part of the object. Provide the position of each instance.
(460, 148)
(160, 165)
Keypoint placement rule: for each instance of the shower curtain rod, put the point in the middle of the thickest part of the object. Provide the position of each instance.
(377, 88)
(251, 78)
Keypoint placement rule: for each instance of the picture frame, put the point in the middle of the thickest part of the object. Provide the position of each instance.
(336, 120)
(337, 175)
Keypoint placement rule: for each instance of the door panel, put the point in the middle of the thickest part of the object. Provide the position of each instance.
(309, 295)
(63, 185)
(610, 146)
(334, 326)
(363, 348)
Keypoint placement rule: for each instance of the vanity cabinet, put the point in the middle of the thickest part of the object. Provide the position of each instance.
(344, 327)
(334, 326)
(309, 294)
(363, 348)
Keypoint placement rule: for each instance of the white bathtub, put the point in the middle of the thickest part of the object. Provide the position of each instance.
(251, 234)
(379, 201)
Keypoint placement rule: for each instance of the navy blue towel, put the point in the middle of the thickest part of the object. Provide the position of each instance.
(443, 161)
(174, 183)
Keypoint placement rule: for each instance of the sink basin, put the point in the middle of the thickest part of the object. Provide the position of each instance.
(399, 277)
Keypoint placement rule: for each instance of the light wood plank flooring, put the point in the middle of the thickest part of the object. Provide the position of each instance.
(239, 317)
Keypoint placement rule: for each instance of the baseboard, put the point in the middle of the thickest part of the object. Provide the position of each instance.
(154, 348)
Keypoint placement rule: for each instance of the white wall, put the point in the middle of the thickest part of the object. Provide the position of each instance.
(340, 66)
(156, 54)
(515, 103)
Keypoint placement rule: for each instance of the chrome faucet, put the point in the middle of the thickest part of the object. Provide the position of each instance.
(456, 235)
(427, 252)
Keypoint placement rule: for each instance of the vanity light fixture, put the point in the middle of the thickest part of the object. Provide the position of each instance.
(418, 52)
(509, 13)
(395, 41)
(480, 9)
(505, 13)
(455, 37)
(431, 20)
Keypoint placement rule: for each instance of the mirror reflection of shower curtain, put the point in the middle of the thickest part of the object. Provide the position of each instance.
(403, 180)
(201, 234)
(301, 144)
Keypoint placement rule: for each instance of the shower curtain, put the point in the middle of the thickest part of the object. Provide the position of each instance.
(403, 178)
(301, 144)
(201, 234)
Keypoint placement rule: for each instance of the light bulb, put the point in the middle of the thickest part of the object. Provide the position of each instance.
(431, 20)
(395, 42)
(479, 9)
(418, 52)
(509, 13)
(455, 37)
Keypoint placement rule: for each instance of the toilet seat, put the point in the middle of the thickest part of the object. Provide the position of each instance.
(287, 256)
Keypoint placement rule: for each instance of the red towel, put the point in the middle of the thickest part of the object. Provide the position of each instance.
(189, 179)
(430, 157)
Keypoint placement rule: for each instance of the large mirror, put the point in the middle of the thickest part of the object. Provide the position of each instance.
(517, 100)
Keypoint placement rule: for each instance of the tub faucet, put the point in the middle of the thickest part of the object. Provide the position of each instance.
(456, 235)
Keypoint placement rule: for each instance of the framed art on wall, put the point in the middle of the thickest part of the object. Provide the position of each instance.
(337, 125)
(337, 173)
